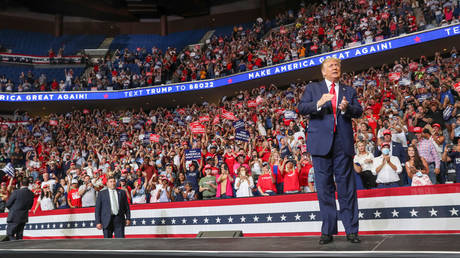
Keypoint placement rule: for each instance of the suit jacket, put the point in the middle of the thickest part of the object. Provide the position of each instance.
(396, 150)
(321, 126)
(103, 210)
(19, 204)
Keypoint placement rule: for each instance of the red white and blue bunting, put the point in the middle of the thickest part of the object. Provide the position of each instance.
(406, 210)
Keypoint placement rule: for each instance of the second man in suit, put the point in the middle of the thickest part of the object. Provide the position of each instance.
(112, 211)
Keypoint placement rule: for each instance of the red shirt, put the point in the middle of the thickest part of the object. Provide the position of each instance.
(303, 176)
(74, 198)
(291, 181)
(265, 183)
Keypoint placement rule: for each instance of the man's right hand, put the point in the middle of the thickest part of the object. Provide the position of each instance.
(325, 98)
(99, 226)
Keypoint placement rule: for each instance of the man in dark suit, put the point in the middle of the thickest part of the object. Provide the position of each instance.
(112, 211)
(19, 204)
(396, 149)
(331, 106)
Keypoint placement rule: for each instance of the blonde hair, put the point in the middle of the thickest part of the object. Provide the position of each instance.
(330, 59)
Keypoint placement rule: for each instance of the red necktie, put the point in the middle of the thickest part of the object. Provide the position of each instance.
(334, 102)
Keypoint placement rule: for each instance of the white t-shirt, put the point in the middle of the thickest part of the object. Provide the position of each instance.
(361, 160)
(387, 174)
(244, 190)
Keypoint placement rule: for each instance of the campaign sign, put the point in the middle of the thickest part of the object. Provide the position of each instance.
(238, 125)
(242, 135)
(193, 154)
(198, 129)
(154, 138)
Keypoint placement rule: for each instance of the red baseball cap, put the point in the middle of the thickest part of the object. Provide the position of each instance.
(386, 131)
(385, 144)
(207, 166)
(417, 130)
(437, 125)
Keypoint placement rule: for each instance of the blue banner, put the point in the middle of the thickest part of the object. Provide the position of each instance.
(238, 125)
(193, 154)
(412, 39)
(242, 135)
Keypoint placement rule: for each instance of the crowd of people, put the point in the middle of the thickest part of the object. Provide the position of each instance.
(313, 29)
(250, 144)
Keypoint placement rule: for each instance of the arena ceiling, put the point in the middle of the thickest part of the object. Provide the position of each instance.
(119, 10)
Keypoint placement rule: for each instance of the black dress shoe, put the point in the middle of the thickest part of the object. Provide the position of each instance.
(353, 238)
(325, 239)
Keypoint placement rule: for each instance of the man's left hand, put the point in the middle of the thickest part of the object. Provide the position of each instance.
(128, 222)
(344, 104)
(437, 171)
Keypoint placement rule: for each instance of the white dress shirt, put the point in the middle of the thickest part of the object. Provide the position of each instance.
(387, 174)
(113, 201)
(329, 85)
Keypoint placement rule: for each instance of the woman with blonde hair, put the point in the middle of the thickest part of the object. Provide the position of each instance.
(243, 183)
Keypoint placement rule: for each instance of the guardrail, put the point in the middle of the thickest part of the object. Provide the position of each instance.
(354, 52)
(30, 59)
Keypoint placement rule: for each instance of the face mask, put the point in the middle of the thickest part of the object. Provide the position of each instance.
(385, 151)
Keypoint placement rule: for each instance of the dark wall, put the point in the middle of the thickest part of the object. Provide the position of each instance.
(114, 28)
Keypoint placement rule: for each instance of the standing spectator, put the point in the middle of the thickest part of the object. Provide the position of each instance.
(189, 193)
(45, 200)
(139, 193)
(305, 166)
(428, 151)
(164, 190)
(417, 168)
(87, 192)
(19, 204)
(5, 194)
(207, 184)
(224, 183)
(60, 199)
(452, 154)
(291, 175)
(74, 199)
(363, 162)
(243, 183)
(387, 168)
(266, 181)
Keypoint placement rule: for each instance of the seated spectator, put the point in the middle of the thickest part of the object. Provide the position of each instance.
(387, 168)
(363, 163)
(417, 168)
(243, 183)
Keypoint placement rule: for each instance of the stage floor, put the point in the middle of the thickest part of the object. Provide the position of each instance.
(375, 246)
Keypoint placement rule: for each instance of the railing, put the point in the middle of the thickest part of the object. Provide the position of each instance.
(30, 59)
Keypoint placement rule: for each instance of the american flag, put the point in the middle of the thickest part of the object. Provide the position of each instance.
(9, 169)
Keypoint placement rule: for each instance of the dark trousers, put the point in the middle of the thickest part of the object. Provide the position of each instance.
(336, 165)
(116, 226)
(15, 230)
